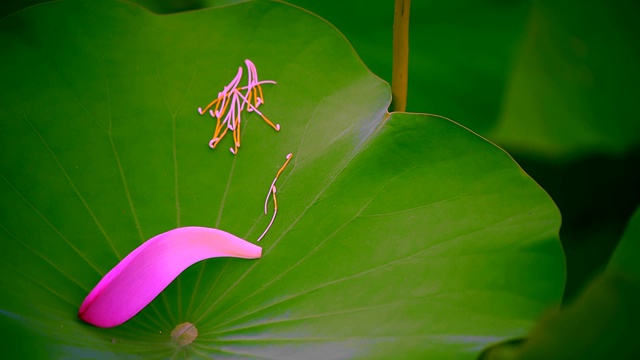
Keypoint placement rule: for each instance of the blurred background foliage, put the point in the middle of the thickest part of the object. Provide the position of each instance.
(554, 83)
(599, 323)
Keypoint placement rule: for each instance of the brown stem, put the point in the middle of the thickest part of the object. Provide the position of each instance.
(400, 72)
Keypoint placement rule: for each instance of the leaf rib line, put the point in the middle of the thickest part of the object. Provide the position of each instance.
(69, 243)
(303, 138)
(126, 189)
(196, 287)
(309, 339)
(315, 316)
(324, 285)
(73, 94)
(317, 247)
(175, 148)
(72, 184)
(20, 271)
(440, 337)
(82, 287)
(416, 208)
(160, 319)
(234, 353)
(332, 175)
(42, 307)
(108, 92)
(223, 294)
(175, 173)
(147, 323)
(164, 94)
(300, 261)
(167, 308)
(226, 192)
(217, 226)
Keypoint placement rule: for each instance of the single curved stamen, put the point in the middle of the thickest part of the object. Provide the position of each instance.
(261, 82)
(272, 190)
(275, 212)
(273, 184)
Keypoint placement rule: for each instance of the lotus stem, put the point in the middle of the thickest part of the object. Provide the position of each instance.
(400, 72)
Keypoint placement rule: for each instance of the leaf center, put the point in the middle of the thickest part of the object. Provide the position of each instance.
(184, 334)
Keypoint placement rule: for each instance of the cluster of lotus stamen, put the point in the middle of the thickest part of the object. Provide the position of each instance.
(232, 101)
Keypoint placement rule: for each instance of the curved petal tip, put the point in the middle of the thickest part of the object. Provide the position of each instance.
(146, 271)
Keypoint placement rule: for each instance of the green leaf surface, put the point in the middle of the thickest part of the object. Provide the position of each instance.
(574, 88)
(399, 235)
(601, 323)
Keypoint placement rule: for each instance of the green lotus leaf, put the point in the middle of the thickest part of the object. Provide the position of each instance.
(397, 235)
(573, 89)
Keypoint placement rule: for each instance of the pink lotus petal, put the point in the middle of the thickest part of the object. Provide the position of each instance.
(147, 270)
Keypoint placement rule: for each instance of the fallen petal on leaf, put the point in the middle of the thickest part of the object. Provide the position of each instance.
(150, 268)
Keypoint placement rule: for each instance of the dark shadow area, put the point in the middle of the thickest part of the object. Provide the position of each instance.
(8, 7)
(170, 6)
(596, 195)
(503, 350)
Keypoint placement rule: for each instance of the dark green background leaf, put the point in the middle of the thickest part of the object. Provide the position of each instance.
(574, 89)
(597, 325)
(398, 235)
(461, 52)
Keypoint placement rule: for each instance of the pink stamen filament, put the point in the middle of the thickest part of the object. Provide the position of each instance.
(275, 212)
(254, 109)
(272, 190)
